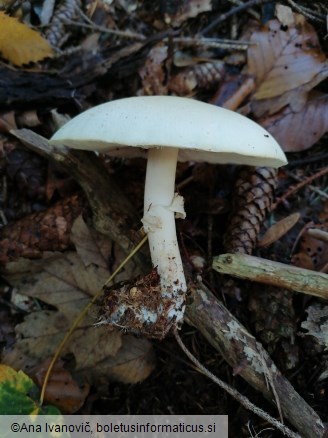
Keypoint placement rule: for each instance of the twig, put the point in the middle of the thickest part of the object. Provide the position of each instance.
(241, 350)
(213, 42)
(232, 12)
(310, 186)
(234, 101)
(255, 14)
(299, 186)
(318, 234)
(307, 160)
(273, 273)
(308, 13)
(125, 34)
(244, 401)
(95, 27)
(107, 205)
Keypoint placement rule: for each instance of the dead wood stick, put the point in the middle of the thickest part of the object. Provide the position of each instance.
(273, 273)
(248, 358)
(239, 348)
(113, 214)
(244, 401)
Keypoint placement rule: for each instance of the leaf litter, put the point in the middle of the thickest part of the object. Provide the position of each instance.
(66, 282)
(286, 63)
(296, 117)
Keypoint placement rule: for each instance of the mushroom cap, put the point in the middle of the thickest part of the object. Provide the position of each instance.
(201, 131)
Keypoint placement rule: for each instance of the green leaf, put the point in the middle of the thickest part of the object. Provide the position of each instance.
(19, 394)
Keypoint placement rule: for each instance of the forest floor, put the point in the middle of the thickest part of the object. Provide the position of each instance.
(264, 59)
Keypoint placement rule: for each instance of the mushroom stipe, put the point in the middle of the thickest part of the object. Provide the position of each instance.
(171, 129)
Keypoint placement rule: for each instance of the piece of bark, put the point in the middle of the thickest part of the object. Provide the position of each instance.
(273, 273)
(240, 349)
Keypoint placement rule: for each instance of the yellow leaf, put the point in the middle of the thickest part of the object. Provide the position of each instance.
(19, 44)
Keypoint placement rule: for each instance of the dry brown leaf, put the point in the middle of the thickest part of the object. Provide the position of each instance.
(297, 131)
(279, 229)
(92, 247)
(284, 14)
(41, 332)
(152, 72)
(286, 62)
(19, 44)
(62, 389)
(312, 252)
(68, 281)
(64, 282)
(7, 121)
(189, 9)
(133, 364)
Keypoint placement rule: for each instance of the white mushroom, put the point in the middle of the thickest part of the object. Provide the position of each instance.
(171, 128)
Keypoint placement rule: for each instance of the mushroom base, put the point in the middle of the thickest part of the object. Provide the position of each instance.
(139, 307)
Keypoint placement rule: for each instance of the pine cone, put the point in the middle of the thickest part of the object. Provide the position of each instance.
(253, 194)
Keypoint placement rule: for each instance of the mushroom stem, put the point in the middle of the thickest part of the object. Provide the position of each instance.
(159, 222)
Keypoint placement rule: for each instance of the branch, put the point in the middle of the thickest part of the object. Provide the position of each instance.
(248, 358)
(113, 214)
(273, 273)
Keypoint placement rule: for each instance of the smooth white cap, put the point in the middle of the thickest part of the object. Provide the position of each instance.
(202, 132)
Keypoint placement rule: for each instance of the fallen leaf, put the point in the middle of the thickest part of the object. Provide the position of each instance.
(286, 63)
(7, 121)
(312, 252)
(19, 44)
(19, 394)
(93, 248)
(189, 9)
(152, 73)
(68, 281)
(62, 389)
(297, 131)
(133, 363)
(284, 14)
(279, 229)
